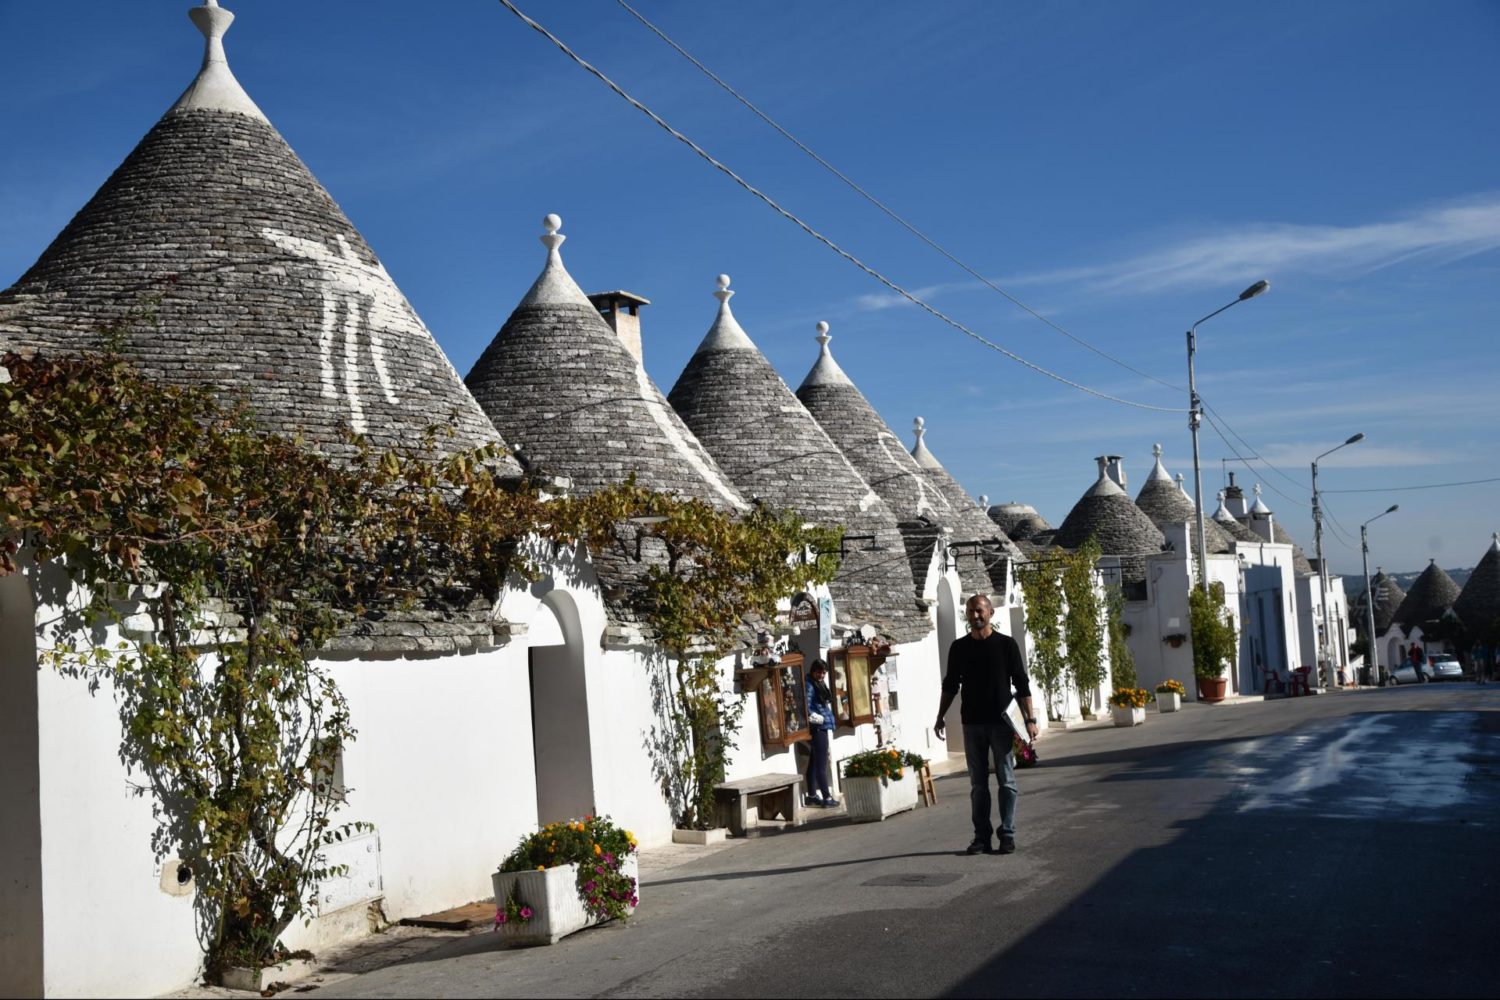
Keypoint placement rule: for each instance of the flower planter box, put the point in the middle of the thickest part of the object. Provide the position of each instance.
(1128, 716)
(870, 799)
(1211, 690)
(556, 908)
(700, 838)
(1168, 701)
(293, 970)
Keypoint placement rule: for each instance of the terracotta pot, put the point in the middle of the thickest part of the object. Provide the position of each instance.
(1211, 690)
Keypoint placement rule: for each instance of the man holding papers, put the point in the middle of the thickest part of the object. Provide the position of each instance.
(986, 665)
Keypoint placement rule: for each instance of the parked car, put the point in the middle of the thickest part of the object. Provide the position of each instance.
(1440, 667)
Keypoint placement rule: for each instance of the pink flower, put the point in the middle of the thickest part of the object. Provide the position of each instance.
(525, 913)
(499, 918)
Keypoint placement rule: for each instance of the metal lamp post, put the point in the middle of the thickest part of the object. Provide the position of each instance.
(1377, 676)
(1330, 679)
(1195, 417)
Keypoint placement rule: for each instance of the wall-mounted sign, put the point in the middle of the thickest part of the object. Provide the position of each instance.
(825, 622)
(804, 612)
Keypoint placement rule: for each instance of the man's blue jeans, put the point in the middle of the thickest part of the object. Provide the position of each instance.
(982, 744)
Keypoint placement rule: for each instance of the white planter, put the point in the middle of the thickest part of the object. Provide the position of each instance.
(700, 838)
(557, 909)
(1129, 716)
(254, 980)
(869, 799)
(1168, 702)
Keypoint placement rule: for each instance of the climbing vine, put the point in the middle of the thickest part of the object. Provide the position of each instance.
(225, 558)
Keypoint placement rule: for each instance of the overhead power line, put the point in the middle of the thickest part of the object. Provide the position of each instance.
(889, 212)
(815, 234)
(1425, 486)
(1245, 461)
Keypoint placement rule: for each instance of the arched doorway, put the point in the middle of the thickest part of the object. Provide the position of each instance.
(947, 631)
(561, 741)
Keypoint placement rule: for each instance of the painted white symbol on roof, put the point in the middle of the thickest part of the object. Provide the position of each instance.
(366, 300)
(908, 468)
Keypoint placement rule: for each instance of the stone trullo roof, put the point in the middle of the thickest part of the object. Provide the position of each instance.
(264, 286)
(872, 448)
(1387, 594)
(1107, 514)
(575, 403)
(1165, 503)
(1431, 595)
(1478, 604)
(568, 395)
(969, 521)
(771, 447)
(1259, 512)
(1019, 521)
(1231, 527)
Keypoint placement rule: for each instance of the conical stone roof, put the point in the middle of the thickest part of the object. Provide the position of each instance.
(574, 402)
(1230, 526)
(1478, 605)
(1108, 515)
(969, 520)
(1165, 503)
(258, 282)
(873, 449)
(1300, 562)
(1019, 521)
(1430, 597)
(1387, 594)
(762, 436)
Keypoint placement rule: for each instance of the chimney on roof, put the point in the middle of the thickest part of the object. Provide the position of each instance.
(1234, 501)
(622, 311)
(1109, 465)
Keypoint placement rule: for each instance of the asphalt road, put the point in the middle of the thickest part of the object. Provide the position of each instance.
(1340, 845)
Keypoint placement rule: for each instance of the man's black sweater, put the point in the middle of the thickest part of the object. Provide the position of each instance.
(985, 669)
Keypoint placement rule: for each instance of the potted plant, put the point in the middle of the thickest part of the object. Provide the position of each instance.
(877, 785)
(1169, 695)
(563, 878)
(1214, 640)
(1128, 705)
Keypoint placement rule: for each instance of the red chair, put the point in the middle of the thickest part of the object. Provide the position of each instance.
(1298, 682)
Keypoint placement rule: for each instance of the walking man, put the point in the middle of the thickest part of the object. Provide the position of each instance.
(985, 665)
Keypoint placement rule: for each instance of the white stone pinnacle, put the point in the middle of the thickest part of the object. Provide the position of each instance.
(825, 371)
(555, 286)
(215, 87)
(726, 334)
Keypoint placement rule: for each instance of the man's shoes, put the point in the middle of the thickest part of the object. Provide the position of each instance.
(1007, 845)
(830, 803)
(977, 846)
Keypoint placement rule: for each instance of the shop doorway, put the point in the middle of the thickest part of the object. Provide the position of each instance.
(561, 743)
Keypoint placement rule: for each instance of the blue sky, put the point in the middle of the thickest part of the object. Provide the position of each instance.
(1123, 169)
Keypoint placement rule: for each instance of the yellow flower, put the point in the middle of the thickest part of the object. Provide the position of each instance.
(598, 850)
(541, 868)
(900, 771)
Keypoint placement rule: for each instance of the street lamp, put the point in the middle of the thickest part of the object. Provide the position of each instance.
(1376, 674)
(1329, 678)
(1195, 417)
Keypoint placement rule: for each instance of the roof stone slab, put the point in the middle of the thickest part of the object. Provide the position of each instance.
(1478, 604)
(258, 282)
(762, 436)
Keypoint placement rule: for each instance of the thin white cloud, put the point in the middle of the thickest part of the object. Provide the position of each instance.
(1441, 234)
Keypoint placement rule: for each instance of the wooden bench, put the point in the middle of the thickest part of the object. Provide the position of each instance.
(771, 795)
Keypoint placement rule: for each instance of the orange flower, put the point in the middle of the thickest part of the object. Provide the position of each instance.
(541, 868)
(598, 850)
